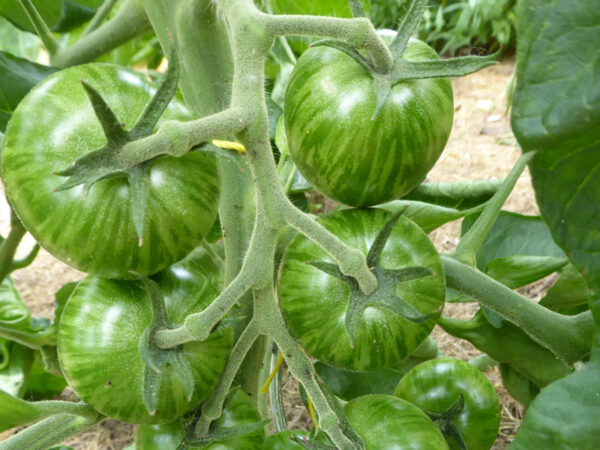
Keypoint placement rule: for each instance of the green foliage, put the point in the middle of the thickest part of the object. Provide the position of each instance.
(449, 26)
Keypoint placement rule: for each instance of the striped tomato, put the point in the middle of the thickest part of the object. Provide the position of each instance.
(52, 127)
(316, 304)
(99, 341)
(347, 155)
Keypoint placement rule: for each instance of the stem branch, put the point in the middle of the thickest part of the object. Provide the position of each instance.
(40, 26)
(568, 337)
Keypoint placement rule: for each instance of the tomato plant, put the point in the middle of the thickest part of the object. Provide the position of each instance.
(99, 339)
(434, 386)
(347, 151)
(382, 337)
(75, 226)
(384, 421)
(116, 177)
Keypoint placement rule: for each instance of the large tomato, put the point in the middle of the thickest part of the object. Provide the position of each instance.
(329, 105)
(99, 338)
(52, 127)
(435, 385)
(386, 422)
(315, 303)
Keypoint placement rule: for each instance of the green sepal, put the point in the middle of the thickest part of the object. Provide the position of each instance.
(347, 49)
(374, 254)
(334, 271)
(154, 358)
(408, 273)
(440, 68)
(408, 26)
(401, 307)
(382, 84)
(139, 188)
(445, 421)
(113, 128)
(156, 107)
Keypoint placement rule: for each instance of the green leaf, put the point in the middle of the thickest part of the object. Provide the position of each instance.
(17, 77)
(518, 270)
(565, 415)
(570, 293)
(16, 365)
(59, 15)
(40, 383)
(427, 216)
(15, 319)
(521, 388)
(459, 195)
(556, 111)
(17, 42)
(514, 234)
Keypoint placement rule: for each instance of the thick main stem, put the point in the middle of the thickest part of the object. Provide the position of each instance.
(568, 337)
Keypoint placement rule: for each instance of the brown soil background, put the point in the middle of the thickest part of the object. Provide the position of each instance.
(481, 147)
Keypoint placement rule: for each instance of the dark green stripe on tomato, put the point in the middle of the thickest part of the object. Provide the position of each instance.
(52, 127)
(99, 335)
(349, 157)
(314, 303)
(435, 385)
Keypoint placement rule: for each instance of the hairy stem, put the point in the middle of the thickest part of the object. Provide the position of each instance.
(471, 242)
(101, 14)
(568, 337)
(40, 26)
(358, 32)
(49, 432)
(213, 407)
(10, 244)
(130, 21)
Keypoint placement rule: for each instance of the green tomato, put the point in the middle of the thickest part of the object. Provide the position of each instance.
(52, 127)
(314, 303)
(341, 150)
(435, 385)
(386, 422)
(100, 331)
(237, 411)
(335, 8)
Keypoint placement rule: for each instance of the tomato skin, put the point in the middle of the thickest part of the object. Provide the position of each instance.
(386, 422)
(238, 411)
(99, 335)
(52, 127)
(329, 105)
(435, 385)
(314, 304)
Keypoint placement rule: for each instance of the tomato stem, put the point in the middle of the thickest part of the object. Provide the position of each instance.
(471, 242)
(40, 26)
(100, 15)
(568, 337)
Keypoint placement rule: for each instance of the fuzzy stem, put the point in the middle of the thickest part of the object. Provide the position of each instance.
(176, 138)
(49, 432)
(129, 22)
(10, 244)
(213, 407)
(472, 241)
(40, 26)
(358, 32)
(100, 15)
(568, 337)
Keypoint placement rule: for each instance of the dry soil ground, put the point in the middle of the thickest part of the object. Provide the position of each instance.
(481, 147)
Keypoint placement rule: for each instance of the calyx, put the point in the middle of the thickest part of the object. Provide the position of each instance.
(107, 162)
(385, 296)
(405, 69)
